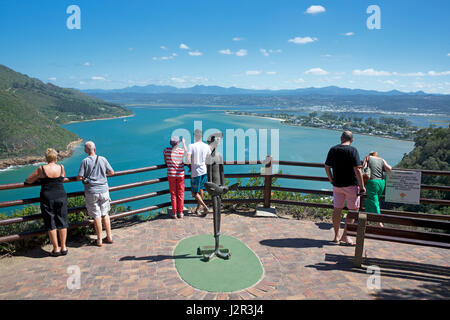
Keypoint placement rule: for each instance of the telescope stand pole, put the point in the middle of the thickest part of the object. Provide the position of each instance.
(216, 217)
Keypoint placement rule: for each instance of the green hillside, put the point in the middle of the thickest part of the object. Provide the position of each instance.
(31, 111)
(431, 152)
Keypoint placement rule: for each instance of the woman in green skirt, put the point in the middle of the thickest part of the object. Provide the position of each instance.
(376, 184)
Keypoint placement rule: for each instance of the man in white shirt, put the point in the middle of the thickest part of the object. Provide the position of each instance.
(196, 157)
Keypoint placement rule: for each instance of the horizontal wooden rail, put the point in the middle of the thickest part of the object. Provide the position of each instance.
(83, 208)
(299, 177)
(74, 179)
(81, 193)
(417, 215)
(435, 188)
(304, 204)
(267, 190)
(308, 191)
(409, 221)
(23, 235)
(400, 233)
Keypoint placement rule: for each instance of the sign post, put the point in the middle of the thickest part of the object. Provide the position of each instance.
(403, 186)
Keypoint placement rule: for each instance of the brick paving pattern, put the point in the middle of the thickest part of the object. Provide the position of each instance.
(298, 259)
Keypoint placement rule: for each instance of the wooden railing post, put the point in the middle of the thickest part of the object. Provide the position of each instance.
(268, 174)
(360, 233)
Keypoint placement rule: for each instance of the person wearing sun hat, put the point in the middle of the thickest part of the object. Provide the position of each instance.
(173, 157)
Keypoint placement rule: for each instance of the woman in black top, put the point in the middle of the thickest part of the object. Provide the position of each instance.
(53, 200)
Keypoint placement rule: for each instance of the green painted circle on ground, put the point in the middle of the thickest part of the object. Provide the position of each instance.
(242, 270)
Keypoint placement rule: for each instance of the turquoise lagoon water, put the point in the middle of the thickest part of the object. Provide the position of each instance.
(139, 141)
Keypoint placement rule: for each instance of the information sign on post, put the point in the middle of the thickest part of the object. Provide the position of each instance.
(403, 186)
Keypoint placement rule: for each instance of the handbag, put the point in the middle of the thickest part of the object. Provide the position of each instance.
(86, 180)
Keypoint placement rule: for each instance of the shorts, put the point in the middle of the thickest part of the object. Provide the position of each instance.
(349, 194)
(54, 213)
(198, 183)
(97, 204)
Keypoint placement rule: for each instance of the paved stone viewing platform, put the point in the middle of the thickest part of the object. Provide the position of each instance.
(298, 258)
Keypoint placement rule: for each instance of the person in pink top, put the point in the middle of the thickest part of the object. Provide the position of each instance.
(173, 157)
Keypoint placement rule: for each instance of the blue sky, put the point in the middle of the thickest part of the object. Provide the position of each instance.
(250, 44)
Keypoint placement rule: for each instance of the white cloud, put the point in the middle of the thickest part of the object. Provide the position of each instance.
(237, 39)
(271, 73)
(241, 53)
(315, 10)
(252, 73)
(185, 47)
(226, 51)
(448, 54)
(87, 64)
(163, 47)
(98, 78)
(195, 53)
(178, 80)
(165, 58)
(82, 82)
(436, 74)
(349, 34)
(299, 80)
(302, 40)
(52, 79)
(390, 82)
(317, 72)
(264, 52)
(410, 74)
(371, 72)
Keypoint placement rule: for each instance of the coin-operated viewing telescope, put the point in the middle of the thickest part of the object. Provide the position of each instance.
(216, 188)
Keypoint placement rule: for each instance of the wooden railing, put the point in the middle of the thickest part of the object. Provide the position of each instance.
(267, 189)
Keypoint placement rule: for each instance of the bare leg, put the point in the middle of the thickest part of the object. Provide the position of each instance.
(344, 237)
(107, 225)
(62, 238)
(204, 204)
(53, 239)
(98, 229)
(199, 199)
(336, 222)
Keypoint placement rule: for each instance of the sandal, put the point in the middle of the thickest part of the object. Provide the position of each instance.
(95, 243)
(55, 254)
(347, 244)
(105, 240)
(64, 252)
(180, 216)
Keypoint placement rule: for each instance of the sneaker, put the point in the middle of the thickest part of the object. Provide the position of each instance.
(173, 215)
(180, 215)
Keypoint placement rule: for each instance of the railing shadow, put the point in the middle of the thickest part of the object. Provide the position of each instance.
(437, 275)
(426, 291)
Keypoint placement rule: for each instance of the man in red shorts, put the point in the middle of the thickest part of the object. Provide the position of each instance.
(343, 168)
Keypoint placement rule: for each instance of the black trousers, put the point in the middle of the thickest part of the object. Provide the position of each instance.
(54, 212)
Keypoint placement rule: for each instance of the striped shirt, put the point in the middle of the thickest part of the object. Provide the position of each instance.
(174, 161)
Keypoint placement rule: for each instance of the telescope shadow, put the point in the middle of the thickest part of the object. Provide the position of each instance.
(296, 243)
(158, 258)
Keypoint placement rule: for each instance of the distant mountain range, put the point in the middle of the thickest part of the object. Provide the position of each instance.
(217, 90)
(329, 97)
(31, 111)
